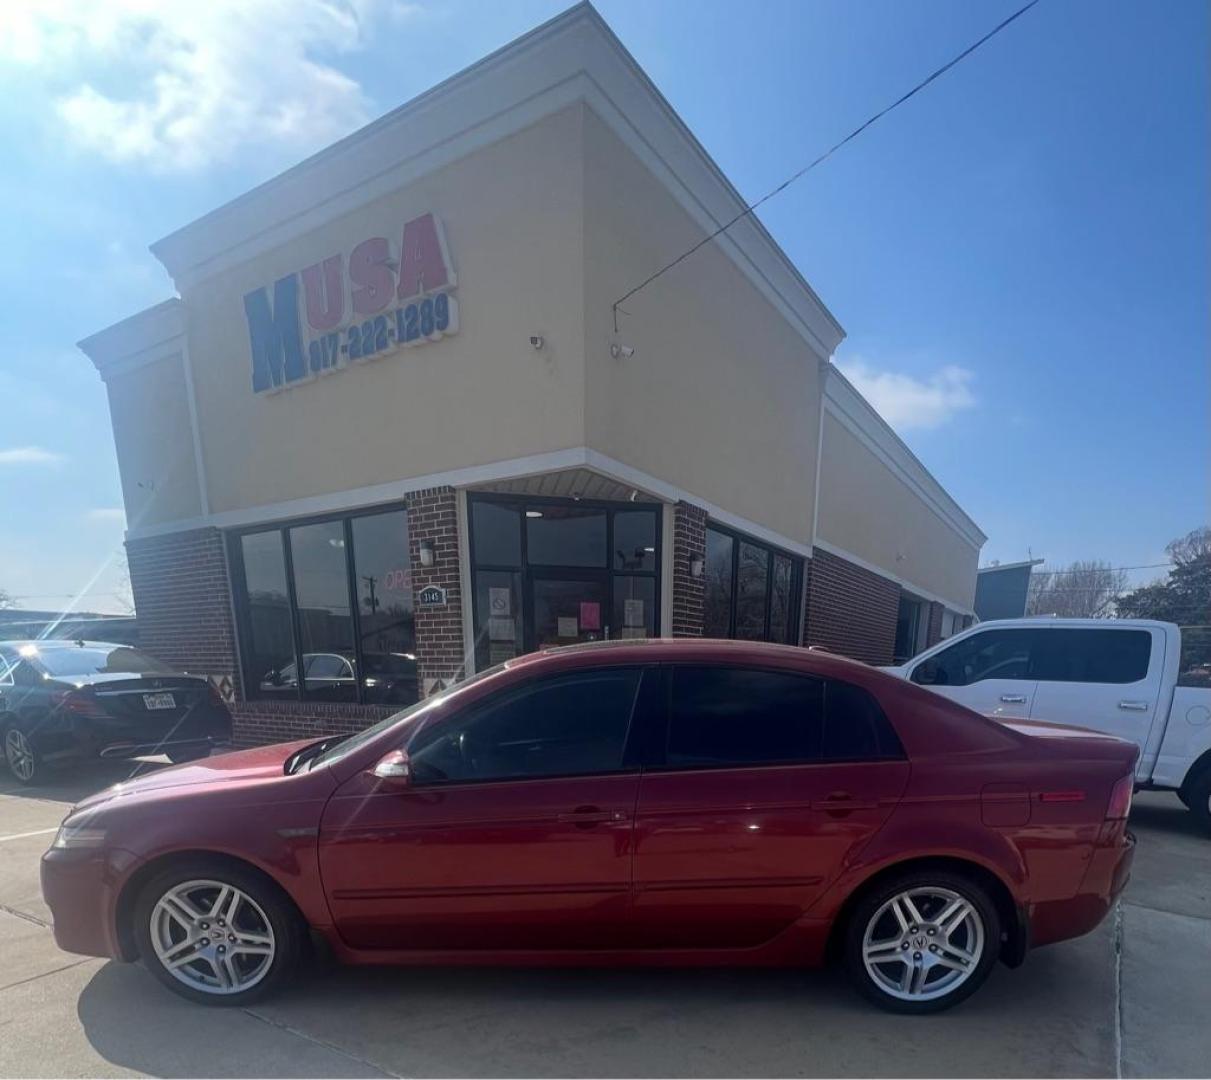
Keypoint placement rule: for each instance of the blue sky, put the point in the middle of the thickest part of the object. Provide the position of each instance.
(1019, 255)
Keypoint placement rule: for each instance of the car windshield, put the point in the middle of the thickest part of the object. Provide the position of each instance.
(355, 742)
(67, 660)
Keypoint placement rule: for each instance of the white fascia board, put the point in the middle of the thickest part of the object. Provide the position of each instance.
(574, 57)
(1010, 566)
(143, 338)
(855, 413)
(904, 583)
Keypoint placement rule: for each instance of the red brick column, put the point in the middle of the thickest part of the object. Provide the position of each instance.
(182, 594)
(433, 520)
(933, 630)
(850, 610)
(689, 542)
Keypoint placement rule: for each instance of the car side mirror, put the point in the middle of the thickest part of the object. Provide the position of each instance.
(394, 770)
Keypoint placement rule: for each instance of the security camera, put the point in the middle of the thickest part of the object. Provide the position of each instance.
(623, 351)
(536, 341)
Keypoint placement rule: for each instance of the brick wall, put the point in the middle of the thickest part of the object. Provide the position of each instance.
(933, 629)
(182, 597)
(433, 517)
(850, 610)
(255, 723)
(689, 540)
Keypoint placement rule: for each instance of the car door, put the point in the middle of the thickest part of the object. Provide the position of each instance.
(988, 670)
(764, 783)
(514, 832)
(1106, 678)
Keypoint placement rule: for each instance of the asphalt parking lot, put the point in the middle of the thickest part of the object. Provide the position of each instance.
(1129, 1000)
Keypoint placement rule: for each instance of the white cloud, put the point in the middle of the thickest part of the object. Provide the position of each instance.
(107, 513)
(906, 401)
(182, 84)
(29, 455)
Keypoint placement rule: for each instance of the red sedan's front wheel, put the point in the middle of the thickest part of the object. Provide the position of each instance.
(922, 941)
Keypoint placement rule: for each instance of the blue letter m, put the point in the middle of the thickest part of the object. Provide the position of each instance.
(277, 345)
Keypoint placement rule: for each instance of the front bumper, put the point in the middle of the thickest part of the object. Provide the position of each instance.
(81, 889)
(1105, 879)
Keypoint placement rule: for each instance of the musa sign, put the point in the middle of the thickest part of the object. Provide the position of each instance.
(371, 306)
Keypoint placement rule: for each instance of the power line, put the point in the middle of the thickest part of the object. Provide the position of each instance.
(823, 157)
(1096, 569)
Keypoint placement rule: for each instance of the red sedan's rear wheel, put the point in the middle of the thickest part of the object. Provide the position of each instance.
(922, 941)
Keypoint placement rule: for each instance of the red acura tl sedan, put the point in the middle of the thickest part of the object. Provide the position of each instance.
(659, 802)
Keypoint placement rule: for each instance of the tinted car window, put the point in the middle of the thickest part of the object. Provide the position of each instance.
(855, 728)
(1091, 656)
(724, 716)
(95, 659)
(991, 654)
(565, 726)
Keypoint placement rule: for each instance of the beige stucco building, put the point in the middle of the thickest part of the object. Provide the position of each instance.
(389, 432)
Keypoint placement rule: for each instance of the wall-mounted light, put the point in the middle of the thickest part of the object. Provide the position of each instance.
(697, 565)
(622, 352)
(427, 553)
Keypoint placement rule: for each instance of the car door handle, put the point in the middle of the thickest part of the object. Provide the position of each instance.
(585, 817)
(1135, 706)
(842, 802)
(1014, 699)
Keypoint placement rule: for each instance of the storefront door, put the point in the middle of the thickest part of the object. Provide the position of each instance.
(567, 607)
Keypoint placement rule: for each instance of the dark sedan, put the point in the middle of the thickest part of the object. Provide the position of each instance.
(67, 700)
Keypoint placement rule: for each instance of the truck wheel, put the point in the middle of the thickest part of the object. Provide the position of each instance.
(1197, 796)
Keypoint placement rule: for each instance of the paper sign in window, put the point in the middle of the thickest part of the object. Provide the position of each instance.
(632, 613)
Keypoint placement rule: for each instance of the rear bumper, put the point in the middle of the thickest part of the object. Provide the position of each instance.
(1105, 879)
(81, 889)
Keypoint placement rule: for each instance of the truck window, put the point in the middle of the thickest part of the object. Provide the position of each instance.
(1091, 655)
(990, 654)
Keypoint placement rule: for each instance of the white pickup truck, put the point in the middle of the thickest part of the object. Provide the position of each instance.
(1124, 677)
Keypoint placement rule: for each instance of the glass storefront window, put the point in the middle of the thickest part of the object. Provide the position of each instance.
(302, 632)
(386, 620)
(498, 626)
(750, 590)
(321, 594)
(717, 592)
(781, 600)
(634, 540)
(496, 530)
(565, 536)
(634, 614)
(269, 640)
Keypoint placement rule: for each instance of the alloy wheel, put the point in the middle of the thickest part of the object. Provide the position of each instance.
(20, 754)
(923, 943)
(212, 937)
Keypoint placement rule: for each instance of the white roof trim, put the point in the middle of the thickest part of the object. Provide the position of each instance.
(150, 335)
(844, 402)
(574, 56)
(1010, 565)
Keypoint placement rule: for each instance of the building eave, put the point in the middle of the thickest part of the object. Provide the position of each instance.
(139, 339)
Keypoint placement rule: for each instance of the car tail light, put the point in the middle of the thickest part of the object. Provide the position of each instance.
(77, 702)
(1120, 798)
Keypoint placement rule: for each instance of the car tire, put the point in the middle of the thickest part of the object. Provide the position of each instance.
(23, 761)
(922, 941)
(182, 755)
(1197, 796)
(239, 953)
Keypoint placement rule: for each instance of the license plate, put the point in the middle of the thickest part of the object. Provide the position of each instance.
(159, 701)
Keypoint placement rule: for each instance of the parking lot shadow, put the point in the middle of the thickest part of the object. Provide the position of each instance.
(71, 784)
(1053, 1017)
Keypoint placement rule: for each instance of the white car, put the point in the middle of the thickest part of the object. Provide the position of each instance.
(1119, 676)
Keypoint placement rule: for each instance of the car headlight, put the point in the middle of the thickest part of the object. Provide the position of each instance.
(75, 837)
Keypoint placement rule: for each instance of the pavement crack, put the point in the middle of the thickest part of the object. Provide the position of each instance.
(1118, 991)
(44, 974)
(1167, 911)
(16, 914)
(268, 1021)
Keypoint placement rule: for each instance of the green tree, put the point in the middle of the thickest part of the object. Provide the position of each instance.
(1184, 597)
